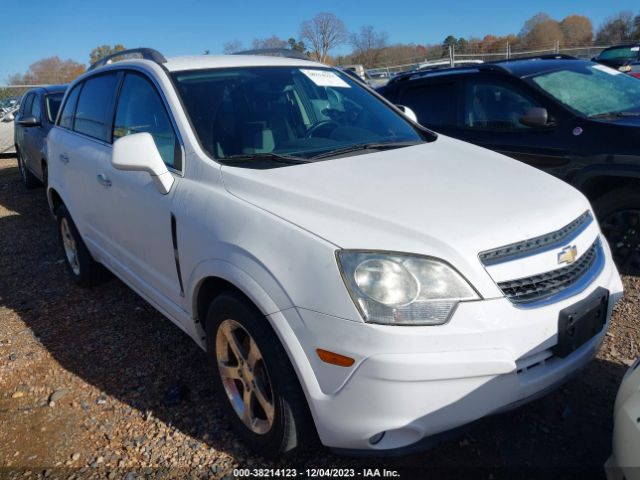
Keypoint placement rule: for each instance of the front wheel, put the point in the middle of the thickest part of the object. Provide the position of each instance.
(619, 215)
(254, 378)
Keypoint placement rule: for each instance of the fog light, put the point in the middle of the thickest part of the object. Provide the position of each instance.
(376, 438)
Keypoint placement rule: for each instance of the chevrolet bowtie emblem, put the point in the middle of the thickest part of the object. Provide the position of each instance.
(568, 255)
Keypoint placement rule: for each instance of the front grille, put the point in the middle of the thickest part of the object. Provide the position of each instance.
(537, 244)
(540, 287)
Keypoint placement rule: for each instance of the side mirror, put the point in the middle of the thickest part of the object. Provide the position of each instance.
(535, 117)
(29, 121)
(410, 114)
(138, 153)
(8, 117)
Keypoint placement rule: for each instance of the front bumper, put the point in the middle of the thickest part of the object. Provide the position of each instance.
(417, 382)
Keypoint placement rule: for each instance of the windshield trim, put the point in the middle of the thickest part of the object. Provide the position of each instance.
(425, 133)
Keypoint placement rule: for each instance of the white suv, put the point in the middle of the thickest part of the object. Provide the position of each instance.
(347, 271)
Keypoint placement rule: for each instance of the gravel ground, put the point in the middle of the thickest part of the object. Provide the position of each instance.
(95, 383)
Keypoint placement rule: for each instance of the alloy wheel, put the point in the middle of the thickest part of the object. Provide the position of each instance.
(70, 248)
(245, 377)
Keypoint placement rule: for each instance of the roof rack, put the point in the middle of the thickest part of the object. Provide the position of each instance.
(546, 56)
(146, 53)
(274, 52)
(427, 72)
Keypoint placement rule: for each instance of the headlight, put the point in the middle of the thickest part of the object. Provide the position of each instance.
(402, 289)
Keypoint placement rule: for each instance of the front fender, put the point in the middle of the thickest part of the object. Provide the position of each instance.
(262, 297)
(625, 167)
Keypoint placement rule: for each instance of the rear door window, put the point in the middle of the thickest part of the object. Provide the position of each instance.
(94, 110)
(435, 104)
(66, 118)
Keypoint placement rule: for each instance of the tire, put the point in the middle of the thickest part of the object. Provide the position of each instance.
(28, 179)
(84, 270)
(291, 427)
(619, 216)
(45, 175)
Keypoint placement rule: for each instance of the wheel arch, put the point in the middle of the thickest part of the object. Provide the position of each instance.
(54, 198)
(212, 277)
(596, 182)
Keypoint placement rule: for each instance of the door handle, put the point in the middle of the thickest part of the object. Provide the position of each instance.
(103, 180)
(64, 158)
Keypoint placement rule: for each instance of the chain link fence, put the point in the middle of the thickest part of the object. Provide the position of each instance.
(10, 98)
(473, 53)
(11, 95)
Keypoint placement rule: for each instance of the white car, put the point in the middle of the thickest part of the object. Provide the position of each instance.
(348, 272)
(624, 462)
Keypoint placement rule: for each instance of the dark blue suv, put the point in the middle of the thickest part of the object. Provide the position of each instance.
(577, 120)
(36, 116)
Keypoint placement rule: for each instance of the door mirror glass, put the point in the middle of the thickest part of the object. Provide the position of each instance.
(29, 121)
(410, 114)
(535, 117)
(138, 153)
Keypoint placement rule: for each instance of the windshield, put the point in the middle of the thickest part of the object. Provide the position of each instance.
(621, 53)
(592, 90)
(301, 112)
(53, 105)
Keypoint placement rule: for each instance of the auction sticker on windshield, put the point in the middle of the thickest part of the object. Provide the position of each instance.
(325, 78)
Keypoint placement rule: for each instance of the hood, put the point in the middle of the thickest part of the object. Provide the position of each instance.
(447, 199)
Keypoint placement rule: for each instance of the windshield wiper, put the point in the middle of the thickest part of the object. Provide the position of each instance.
(274, 157)
(365, 146)
(616, 115)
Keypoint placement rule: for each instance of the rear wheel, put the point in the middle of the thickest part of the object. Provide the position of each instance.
(84, 270)
(28, 179)
(254, 378)
(619, 215)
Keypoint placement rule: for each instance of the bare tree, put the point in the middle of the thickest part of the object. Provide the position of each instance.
(232, 47)
(322, 33)
(270, 42)
(616, 29)
(368, 44)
